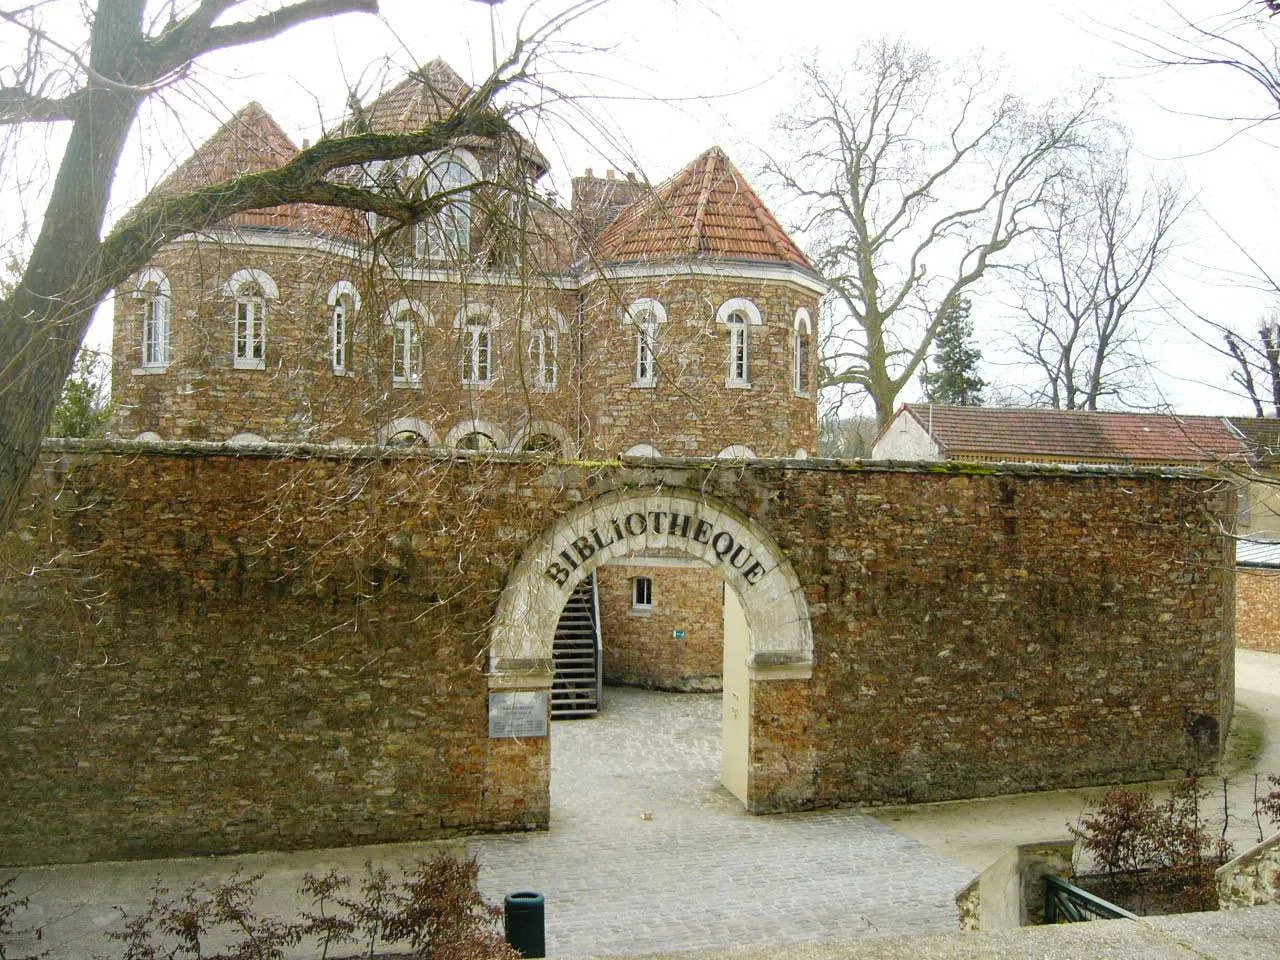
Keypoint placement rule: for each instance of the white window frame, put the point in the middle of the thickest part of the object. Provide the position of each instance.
(801, 345)
(477, 353)
(739, 315)
(153, 290)
(739, 362)
(250, 290)
(345, 301)
(642, 593)
(647, 316)
(406, 350)
(544, 354)
(447, 235)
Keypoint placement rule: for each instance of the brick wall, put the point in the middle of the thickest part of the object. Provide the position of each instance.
(641, 647)
(203, 652)
(1258, 609)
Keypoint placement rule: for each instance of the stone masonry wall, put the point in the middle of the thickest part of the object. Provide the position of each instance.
(1251, 879)
(641, 647)
(203, 651)
(298, 397)
(1258, 609)
(690, 411)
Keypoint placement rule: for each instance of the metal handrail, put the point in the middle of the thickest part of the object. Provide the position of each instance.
(1066, 903)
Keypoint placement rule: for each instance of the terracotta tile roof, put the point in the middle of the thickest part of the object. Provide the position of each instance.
(428, 94)
(706, 211)
(252, 142)
(1261, 436)
(1064, 436)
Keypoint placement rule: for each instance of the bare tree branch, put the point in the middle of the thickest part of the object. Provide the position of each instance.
(910, 176)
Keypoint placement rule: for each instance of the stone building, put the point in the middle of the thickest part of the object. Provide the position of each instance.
(675, 320)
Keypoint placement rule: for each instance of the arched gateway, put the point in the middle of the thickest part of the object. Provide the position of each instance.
(777, 642)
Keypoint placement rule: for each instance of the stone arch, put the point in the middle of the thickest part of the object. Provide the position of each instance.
(465, 428)
(547, 428)
(415, 425)
(624, 522)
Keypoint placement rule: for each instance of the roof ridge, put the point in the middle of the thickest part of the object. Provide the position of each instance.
(704, 197)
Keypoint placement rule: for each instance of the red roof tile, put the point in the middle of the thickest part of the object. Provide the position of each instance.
(252, 142)
(706, 211)
(1064, 436)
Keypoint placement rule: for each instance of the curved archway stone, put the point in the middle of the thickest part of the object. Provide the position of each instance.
(626, 522)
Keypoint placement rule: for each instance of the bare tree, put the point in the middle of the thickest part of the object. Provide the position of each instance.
(130, 51)
(1082, 292)
(910, 175)
(1257, 370)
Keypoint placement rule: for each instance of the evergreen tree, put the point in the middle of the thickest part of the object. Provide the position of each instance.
(85, 405)
(953, 375)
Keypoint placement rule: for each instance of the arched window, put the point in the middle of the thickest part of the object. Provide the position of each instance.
(645, 315)
(544, 356)
(152, 293)
(344, 301)
(738, 370)
(250, 290)
(801, 345)
(738, 315)
(446, 234)
(475, 440)
(406, 350)
(642, 450)
(736, 451)
(475, 324)
(542, 443)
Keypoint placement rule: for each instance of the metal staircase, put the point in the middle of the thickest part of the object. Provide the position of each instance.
(575, 690)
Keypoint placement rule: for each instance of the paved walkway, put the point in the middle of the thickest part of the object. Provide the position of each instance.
(646, 853)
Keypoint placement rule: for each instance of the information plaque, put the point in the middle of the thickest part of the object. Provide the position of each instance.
(518, 713)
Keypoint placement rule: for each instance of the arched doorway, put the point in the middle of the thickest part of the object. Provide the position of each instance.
(768, 632)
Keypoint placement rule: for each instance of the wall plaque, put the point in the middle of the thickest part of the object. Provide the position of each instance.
(518, 713)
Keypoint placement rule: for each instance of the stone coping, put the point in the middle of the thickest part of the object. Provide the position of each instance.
(342, 451)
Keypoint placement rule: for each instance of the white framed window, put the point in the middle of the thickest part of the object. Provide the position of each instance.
(446, 234)
(250, 290)
(642, 593)
(544, 355)
(801, 344)
(739, 372)
(646, 317)
(738, 315)
(152, 292)
(477, 352)
(251, 328)
(344, 301)
(406, 350)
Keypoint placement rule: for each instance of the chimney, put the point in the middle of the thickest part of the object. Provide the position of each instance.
(597, 201)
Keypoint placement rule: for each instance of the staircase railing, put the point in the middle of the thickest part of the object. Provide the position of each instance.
(1066, 903)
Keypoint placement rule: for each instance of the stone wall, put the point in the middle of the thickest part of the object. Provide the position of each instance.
(676, 645)
(1251, 879)
(690, 411)
(297, 396)
(204, 651)
(1258, 609)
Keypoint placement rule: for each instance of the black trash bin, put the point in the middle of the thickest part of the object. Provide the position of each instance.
(525, 924)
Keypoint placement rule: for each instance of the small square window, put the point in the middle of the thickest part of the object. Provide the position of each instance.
(642, 593)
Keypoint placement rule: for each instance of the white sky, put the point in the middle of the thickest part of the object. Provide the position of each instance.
(699, 72)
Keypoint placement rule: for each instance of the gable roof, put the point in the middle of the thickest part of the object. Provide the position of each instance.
(1064, 436)
(706, 211)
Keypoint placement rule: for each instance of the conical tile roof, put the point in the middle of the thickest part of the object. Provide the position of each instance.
(706, 211)
(252, 142)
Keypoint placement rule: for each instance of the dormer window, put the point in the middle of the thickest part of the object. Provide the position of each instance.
(446, 234)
